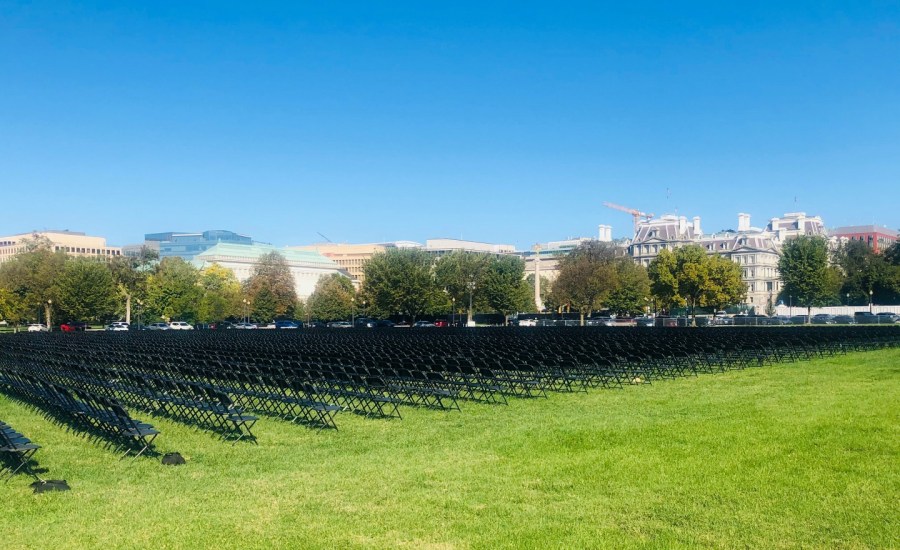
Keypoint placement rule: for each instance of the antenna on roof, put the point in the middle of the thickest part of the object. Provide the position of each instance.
(324, 237)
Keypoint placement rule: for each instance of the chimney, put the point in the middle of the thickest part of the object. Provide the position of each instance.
(697, 231)
(604, 233)
(682, 226)
(743, 222)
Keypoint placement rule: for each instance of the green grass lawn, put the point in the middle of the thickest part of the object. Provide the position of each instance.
(794, 455)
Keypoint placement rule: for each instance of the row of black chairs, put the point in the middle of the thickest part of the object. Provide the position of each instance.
(93, 414)
(18, 449)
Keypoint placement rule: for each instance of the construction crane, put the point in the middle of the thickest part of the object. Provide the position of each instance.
(636, 214)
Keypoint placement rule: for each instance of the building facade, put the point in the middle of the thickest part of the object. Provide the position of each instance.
(878, 238)
(756, 250)
(73, 243)
(188, 246)
(305, 266)
(350, 257)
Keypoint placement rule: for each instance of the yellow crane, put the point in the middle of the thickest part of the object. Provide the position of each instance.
(636, 214)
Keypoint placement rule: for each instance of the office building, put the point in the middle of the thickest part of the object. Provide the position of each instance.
(73, 243)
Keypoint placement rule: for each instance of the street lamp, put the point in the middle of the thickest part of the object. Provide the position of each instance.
(140, 310)
(848, 299)
(453, 311)
(470, 322)
(352, 311)
(246, 310)
(49, 313)
(870, 300)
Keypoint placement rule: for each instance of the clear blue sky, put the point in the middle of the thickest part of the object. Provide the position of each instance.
(502, 122)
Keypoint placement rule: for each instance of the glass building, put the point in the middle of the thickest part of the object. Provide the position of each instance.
(189, 245)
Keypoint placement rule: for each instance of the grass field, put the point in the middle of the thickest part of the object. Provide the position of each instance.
(792, 455)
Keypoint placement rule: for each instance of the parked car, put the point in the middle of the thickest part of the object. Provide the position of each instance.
(780, 320)
(73, 326)
(158, 326)
(423, 324)
(844, 320)
(339, 324)
(442, 323)
(180, 325)
(799, 319)
(286, 325)
(37, 327)
(644, 321)
(382, 323)
(315, 324)
(116, 327)
(865, 317)
(822, 319)
(600, 322)
(887, 316)
(245, 326)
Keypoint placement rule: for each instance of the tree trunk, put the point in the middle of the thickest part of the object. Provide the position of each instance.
(581, 314)
(128, 308)
(469, 318)
(48, 318)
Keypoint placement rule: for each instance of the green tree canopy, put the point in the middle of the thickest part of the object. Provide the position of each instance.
(272, 274)
(805, 273)
(864, 271)
(630, 296)
(505, 288)
(460, 273)
(724, 285)
(402, 281)
(172, 290)
(130, 274)
(85, 290)
(220, 294)
(332, 300)
(31, 277)
(587, 276)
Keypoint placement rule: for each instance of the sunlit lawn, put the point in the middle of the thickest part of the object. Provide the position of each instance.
(792, 455)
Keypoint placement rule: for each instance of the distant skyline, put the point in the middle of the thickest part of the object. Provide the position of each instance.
(507, 122)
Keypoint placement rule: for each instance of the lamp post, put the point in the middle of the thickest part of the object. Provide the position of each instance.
(246, 310)
(848, 299)
(470, 321)
(140, 309)
(870, 301)
(453, 311)
(49, 315)
(352, 311)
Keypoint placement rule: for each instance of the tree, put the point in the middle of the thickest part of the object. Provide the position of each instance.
(401, 280)
(546, 289)
(664, 281)
(85, 290)
(130, 275)
(805, 272)
(587, 275)
(172, 290)
(865, 272)
(11, 308)
(505, 288)
(220, 294)
(630, 296)
(332, 299)
(692, 272)
(271, 273)
(31, 277)
(462, 274)
(724, 285)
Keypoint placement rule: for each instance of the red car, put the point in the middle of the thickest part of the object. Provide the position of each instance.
(441, 323)
(73, 326)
